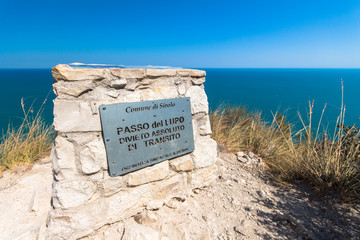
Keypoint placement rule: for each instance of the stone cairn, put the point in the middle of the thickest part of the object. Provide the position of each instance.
(85, 198)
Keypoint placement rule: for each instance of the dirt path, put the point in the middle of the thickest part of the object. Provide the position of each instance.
(25, 201)
(241, 204)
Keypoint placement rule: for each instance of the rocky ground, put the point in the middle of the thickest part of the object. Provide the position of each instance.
(241, 204)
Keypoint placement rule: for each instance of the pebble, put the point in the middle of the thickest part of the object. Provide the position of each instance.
(154, 205)
(242, 159)
(240, 154)
(240, 229)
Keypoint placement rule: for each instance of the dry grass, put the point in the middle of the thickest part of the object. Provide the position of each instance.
(27, 143)
(327, 163)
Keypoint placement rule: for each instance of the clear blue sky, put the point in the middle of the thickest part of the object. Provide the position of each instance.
(288, 33)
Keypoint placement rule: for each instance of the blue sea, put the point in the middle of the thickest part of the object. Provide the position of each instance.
(267, 90)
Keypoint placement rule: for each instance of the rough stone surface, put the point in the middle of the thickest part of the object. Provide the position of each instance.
(239, 197)
(111, 186)
(64, 72)
(93, 157)
(161, 72)
(148, 174)
(203, 177)
(72, 89)
(85, 199)
(205, 152)
(25, 202)
(119, 83)
(154, 205)
(203, 123)
(191, 72)
(70, 116)
(72, 193)
(63, 158)
(198, 81)
(198, 102)
(128, 73)
(182, 164)
(138, 232)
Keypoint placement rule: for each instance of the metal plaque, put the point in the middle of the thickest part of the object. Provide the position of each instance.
(141, 134)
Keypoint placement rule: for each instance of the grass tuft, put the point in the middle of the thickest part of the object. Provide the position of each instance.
(27, 143)
(327, 163)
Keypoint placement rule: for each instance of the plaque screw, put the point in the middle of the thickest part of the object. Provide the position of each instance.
(108, 139)
(154, 115)
(104, 108)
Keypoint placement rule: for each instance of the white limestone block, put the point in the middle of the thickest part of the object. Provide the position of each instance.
(63, 159)
(75, 116)
(198, 81)
(203, 177)
(160, 72)
(198, 98)
(128, 73)
(205, 152)
(182, 164)
(149, 174)
(139, 232)
(72, 193)
(67, 73)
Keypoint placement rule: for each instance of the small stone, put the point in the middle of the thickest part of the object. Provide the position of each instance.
(240, 154)
(198, 81)
(146, 217)
(204, 217)
(139, 232)
(113, 94)
(174, 202)
(119, 83)
(261, 193)
(131, 86)
(154, 205)
(240, 229)
(251, 154)
(242, 159)
(196, 191)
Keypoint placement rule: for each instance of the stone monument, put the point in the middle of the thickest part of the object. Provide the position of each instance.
(85, 196)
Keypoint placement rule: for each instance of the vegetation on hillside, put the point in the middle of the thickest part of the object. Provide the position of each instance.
(327, 163)
(27, 143)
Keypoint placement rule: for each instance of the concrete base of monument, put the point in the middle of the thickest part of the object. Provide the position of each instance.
(239, 204)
